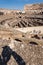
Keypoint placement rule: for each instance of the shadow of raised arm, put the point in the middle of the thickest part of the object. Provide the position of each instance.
(18, 59)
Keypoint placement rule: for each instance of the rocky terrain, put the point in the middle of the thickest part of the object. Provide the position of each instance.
(21, 20)
(23, 48)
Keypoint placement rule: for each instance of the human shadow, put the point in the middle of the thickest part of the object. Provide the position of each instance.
(6, 55)
(2, 62)
(18, 59)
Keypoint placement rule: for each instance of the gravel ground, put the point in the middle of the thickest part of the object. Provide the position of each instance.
(32, 54)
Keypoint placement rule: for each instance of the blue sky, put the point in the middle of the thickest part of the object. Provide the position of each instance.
(17, 4)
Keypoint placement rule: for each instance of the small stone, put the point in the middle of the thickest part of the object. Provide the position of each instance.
(22, 46)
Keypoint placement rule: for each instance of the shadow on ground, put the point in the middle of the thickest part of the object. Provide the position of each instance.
(6, 55)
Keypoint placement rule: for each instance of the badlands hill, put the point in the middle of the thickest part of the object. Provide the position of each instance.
(23, 48)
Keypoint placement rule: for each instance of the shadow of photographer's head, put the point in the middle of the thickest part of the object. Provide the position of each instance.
(7, 49)
(6, 53)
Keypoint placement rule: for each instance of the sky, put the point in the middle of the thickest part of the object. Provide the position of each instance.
(17, 4)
